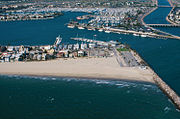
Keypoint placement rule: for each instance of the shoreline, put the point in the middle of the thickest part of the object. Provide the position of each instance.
(80, 78)
(167, 17)
(100, 68)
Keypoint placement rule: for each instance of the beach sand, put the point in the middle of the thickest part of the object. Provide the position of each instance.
(105, 68)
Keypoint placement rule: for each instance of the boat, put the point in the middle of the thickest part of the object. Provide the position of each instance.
(70, 26)
(80, 27)
(107, 31)
(100, 30)
(143, 35)
(90, 29)
(136, 34)
(79, 18)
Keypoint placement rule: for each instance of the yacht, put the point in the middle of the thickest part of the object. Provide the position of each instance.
(80, 27)
(107, 31)
(100, 30)
(136, 34)
(90, 29)
(143, 35)
(70, 26)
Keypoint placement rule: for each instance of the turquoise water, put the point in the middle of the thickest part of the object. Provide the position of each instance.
(67, 98)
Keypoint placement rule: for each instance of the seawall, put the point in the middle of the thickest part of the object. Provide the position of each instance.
(165, 88)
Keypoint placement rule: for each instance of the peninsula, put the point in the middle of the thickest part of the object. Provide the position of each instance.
(91, 58)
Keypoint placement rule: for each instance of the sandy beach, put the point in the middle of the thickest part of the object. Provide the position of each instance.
(106, 68)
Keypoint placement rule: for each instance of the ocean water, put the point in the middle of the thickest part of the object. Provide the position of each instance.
(70, 98)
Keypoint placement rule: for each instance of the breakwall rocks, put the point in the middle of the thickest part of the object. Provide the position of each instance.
(167, 90)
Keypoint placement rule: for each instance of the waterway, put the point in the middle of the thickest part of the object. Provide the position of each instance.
(48, 97)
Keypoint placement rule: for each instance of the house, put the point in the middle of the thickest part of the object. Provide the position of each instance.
(65, 47)
(35, 57)
(39, 57)
(7, 58)
(10, 48)
(60, 47)
(60, 55)
(76, 46)
(21, 48)
(81, 53)
(83, 46)
(51, 51)
(92, 45)
(70, 47)
(1, 60)
(63, 53)
(44, 56)
(71, 55)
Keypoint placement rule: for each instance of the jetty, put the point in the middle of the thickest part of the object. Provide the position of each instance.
(165, 88)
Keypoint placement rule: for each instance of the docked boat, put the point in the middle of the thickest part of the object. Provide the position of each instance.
(100, 30)
(90, 29)
(70, 26)
(80, 27)
(143, 35)
(107, 31)
(136, 34)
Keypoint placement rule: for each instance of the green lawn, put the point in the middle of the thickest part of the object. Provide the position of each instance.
(122, 49)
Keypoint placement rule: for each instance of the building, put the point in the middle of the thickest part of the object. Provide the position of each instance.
(76, 46)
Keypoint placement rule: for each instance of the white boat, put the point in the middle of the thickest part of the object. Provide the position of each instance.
(70, 26)
(90, 29)
(143, 35)
(80, 27)
(107, 31)
(100, 30)
(136, 34)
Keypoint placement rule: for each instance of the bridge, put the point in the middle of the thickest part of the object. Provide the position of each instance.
(164, 6)
(164, 25)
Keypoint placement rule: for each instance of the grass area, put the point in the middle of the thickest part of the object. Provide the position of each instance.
(122, 49)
